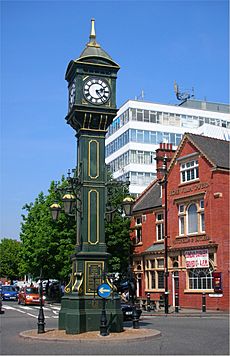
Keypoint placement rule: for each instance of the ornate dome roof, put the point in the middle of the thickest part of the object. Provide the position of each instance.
(93, 49)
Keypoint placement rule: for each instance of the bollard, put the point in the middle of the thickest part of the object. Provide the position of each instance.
(135, 318)
(1, 311)
(148, 302)
(176, 303)
(203, 302)
(143, 305)
(41, 319)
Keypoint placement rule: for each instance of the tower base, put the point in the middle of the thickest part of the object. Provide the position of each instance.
(80, 314)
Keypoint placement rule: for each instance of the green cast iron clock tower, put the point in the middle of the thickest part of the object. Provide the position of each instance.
(92, 106)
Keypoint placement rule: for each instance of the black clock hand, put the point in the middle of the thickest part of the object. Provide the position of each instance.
(100, 92)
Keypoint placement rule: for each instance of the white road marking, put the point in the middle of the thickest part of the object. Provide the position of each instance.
(34, 316)
(20, 311)
(24, 310)
(8, 307)
(44, 308)
(25, 307)
(55, 307)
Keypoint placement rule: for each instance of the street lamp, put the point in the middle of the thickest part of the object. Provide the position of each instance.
(55, 209)
(128, 206)
(69, 202)
(69, 199)
(166, 273)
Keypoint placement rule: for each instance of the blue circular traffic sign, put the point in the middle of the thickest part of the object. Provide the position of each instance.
(104, 290)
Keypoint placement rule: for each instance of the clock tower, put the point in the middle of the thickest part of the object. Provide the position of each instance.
(91, 108)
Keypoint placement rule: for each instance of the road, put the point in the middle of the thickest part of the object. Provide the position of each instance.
(206, 335)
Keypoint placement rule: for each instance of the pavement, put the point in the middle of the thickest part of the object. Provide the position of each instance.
(184, 312)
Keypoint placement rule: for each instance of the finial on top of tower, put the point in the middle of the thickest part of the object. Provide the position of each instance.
(92, 37)
(92, 34)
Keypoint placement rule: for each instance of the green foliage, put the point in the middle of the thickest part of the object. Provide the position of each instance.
(117, 232)
(9, 252)
(46, 244)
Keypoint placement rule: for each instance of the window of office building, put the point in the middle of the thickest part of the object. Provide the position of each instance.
(142, 157)
(139, 115)
(154, 137)
(133, 114)
(142, 178)
(164, 118)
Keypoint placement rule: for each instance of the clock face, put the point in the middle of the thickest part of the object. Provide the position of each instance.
(96, 91)
(72, 92)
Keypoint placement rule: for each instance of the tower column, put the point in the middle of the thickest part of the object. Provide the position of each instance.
(92, 107)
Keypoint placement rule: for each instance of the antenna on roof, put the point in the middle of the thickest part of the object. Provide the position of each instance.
(185, 95)
(141, 96)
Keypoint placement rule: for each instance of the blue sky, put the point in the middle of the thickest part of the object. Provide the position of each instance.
(154, 42)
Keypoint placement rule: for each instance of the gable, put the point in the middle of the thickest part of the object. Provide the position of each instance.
(214, 150)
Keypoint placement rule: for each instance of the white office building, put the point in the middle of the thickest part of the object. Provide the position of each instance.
(140, 127)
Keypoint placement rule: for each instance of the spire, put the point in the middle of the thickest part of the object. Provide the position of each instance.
(92, 38)
(93, 33)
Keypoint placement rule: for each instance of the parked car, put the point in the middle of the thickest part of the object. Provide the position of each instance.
(9, 292)
(30, 295)
(127, 311)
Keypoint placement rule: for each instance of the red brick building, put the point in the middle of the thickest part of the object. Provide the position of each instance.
(198, 226)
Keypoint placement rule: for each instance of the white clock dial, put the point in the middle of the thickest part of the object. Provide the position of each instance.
(96, 91)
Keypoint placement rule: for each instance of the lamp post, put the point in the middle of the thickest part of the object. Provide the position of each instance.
(128, 203)
(166, 274)
(130, 282)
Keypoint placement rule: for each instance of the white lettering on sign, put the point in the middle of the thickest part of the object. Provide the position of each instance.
(197, 258)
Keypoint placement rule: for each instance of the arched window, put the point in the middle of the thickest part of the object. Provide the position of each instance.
(200, 278)
(192, 218)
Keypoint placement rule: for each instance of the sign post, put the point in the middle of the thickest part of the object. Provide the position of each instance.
(104, 291)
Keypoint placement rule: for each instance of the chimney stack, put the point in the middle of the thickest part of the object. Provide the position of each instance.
(164, 150)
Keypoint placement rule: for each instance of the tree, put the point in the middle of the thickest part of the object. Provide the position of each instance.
(9, 252)
(117, 232)
(46, 245)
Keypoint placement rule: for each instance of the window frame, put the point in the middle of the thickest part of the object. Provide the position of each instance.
(154, 275)
(189, 170)
(160, 225)
(138, 230)
(183, 215)
(197, 282)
